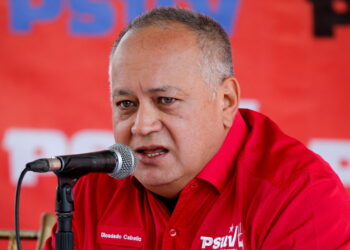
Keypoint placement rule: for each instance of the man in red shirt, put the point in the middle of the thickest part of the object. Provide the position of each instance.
(209, 176)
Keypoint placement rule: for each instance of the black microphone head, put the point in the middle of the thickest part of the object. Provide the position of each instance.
(126, 163)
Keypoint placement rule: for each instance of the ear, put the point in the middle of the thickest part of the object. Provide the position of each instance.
(230, 95)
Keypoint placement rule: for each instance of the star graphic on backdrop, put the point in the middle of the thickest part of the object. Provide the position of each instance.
(231, 229)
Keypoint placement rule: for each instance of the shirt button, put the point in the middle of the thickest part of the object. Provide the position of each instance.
(172, 232)
(194, 185)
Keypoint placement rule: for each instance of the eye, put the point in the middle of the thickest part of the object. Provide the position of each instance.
(125, 104)
(166, 100)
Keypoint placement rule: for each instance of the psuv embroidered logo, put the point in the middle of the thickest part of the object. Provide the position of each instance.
(233, 240)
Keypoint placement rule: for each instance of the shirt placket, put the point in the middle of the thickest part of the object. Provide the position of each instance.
(172, 234)
(175, 234)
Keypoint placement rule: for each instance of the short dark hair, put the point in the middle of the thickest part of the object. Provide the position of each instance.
(212, 40)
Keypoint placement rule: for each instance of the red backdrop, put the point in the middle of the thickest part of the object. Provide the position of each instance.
(293, 65)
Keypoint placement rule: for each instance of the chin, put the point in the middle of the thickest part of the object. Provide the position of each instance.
(153, 181)
(154, 178)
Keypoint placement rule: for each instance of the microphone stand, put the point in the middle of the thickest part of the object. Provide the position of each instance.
(64, 209)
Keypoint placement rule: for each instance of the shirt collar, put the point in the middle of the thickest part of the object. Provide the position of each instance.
(218, 169)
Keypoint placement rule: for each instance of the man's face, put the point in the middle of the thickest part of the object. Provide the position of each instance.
(162, 108)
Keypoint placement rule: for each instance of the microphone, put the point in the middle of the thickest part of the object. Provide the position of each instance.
(119, 161)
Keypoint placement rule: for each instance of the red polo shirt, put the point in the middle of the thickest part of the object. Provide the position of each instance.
(262, 190)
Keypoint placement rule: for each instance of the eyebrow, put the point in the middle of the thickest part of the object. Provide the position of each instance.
(163, 89)
(121, 92)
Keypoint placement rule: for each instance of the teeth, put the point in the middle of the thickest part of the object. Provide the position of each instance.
(154, 154)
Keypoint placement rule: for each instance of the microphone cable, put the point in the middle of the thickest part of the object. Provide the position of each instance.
(17, 199)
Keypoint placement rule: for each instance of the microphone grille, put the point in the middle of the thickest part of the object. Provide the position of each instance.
(126, 161)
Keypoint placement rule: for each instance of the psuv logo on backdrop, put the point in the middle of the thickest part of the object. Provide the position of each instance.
(27, 144)
(337, 153)
(329, 13)
(98, 17)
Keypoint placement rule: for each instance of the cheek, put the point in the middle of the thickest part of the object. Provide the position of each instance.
(121, 131)
(187, 133)
(204, 129)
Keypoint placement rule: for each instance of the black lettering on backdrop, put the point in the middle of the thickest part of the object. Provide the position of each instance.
(329, 13)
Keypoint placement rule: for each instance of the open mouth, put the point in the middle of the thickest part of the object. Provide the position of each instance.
(152, 151)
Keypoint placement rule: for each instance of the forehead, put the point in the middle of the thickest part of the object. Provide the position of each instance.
(164, 37)
(158, 52)
(154, 43)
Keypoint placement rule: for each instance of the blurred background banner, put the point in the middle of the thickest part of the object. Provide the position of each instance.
(291, 58)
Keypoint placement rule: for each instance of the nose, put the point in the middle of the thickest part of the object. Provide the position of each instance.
(147, 121)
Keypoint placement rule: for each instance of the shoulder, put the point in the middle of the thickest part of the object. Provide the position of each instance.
(291, 193)
(271, 155)
(97, 190)
(96, 183)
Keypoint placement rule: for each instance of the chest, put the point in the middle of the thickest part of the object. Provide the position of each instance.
(202, 219)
